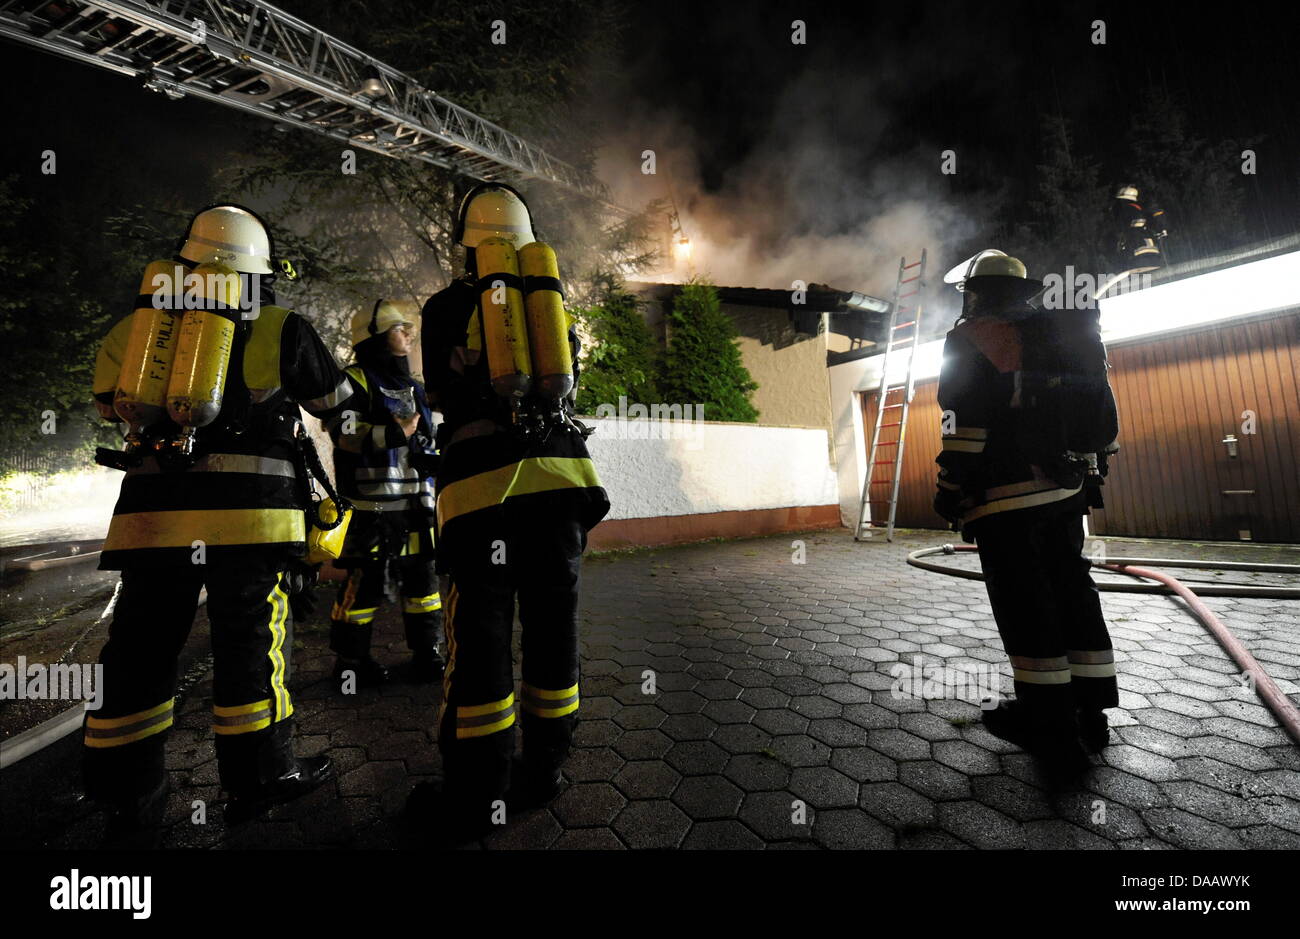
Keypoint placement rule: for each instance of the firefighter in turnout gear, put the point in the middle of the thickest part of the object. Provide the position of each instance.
(208, 374)
(1139, 231)
(384, 469)
(517, 494)
(1007, 485)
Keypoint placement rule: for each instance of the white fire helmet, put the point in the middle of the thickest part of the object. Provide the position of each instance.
(1127, 192)
(230, 235)
(494, 210)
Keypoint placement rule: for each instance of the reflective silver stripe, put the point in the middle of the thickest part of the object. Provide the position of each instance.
(395, 473)
(1009, 502)
(331, 400)
(965, 446)
(1055, 663)
(535, 704)
(226, 463)
(1098, 657)
(389, 488)
(107, 733)
(368, 505)
(1106, 670)
(481, 719)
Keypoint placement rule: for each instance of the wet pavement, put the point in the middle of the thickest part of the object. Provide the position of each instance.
(733, 697)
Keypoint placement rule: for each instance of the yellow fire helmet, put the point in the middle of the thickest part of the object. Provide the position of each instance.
(229, 235)
(494, 210)
(382, 317)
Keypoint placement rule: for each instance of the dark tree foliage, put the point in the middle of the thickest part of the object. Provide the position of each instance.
(702, 364)
(621, 358)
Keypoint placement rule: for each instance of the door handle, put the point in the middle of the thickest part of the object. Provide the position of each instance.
(1238, 492)
(1230, 442)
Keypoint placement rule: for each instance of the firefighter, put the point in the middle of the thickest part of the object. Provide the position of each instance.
(384, 458)
(1138, 231)
(213, 496)
(516, 495)
(1025, 513)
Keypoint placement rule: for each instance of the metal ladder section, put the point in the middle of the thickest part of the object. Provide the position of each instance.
(249, 55)
(906, 316)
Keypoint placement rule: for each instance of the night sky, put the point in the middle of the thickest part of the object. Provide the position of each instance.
(832, 130)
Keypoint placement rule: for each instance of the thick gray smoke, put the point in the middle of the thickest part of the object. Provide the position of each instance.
(816, 201)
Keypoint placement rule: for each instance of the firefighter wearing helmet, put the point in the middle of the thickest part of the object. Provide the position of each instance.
(384, 460)
(1028, 413)
(516, 495)
(207, 375)
(1140, 228)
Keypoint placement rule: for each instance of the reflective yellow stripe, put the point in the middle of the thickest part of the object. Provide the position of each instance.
(543, 702)
(359, 617)
(963, 446)
(546, 695)
(972, 433)
(240, 709)
(532, 475)
(215, 528)
(279, 601)
(109, 723)
(478, 710)
(413, 543)
(423, 604)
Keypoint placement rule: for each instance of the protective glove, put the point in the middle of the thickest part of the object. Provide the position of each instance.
(947, 504)
(299, 583)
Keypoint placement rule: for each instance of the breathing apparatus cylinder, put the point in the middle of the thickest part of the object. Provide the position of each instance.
(198, 379)
(505, 330)
(141, 395)
(548, 324)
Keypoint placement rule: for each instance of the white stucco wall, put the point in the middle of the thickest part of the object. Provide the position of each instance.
(707, 467)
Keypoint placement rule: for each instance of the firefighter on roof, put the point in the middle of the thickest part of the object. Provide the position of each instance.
(517, 494)
(384, 458)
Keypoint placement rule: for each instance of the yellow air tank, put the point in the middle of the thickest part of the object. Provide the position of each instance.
(198, 379)
(548, 324)
(504, 326)
(141, 395)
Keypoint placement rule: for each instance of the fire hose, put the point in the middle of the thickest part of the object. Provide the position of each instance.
(1274, 699)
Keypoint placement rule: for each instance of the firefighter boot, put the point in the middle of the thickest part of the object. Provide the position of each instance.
(278, 776)
(351, 642)
(1054, 744)
(427, 665)
(137, 823)
(533, 783)
(1094, 730)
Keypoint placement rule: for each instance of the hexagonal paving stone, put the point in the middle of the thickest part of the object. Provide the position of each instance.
(980, 825)
(589, 839)
(896, 805)
(652, 824)
(965, 757)
(773, 816)
(697, 758)
(824, 788)
(780, 721)
(755, 772)
(800, 750)
(899, 744)
(863, 764)
(588, 804)
(643, 744)
(722, 836)
(837, 732)
(591, 765)
(647, 779)
(1190, 831)
(705, 797)
(851, 829)
(934, 780)
(639, 717)
(741, 738)
(689, 727)
(729, 712)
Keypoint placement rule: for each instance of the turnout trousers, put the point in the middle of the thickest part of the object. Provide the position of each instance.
(361, 595)
(1048, 611)
(520, 548)
(252, 640)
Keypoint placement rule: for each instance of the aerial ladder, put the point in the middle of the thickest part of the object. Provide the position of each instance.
(879, 504)
(249, 55)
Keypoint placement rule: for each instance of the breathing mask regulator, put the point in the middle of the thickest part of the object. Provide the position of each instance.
(183, 333)
(520, 312)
